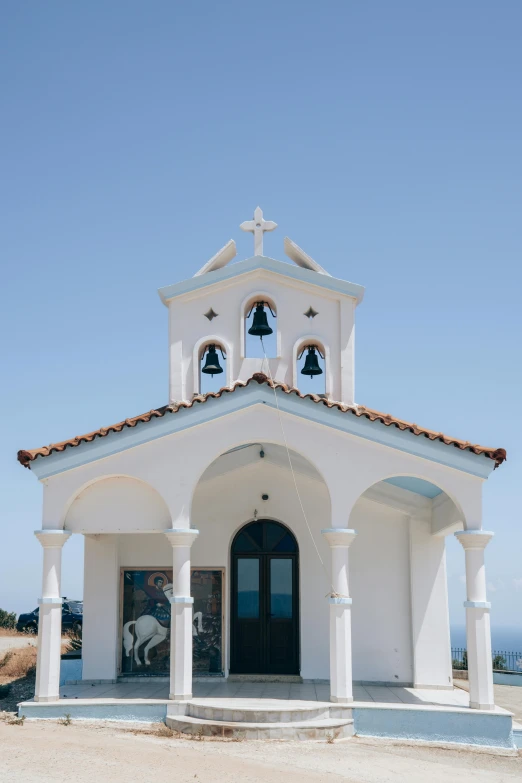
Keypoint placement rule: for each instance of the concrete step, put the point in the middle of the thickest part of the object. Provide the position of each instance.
(306, 730)
(292, 678)
(256, 711)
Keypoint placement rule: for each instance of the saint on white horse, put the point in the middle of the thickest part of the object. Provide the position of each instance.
(153, 629)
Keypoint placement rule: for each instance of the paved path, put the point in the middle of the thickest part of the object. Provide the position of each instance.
(41, 752)
(12, 642)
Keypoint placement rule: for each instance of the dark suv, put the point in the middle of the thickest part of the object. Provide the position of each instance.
(72, 617)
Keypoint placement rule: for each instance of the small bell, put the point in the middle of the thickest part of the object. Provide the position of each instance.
(260, 327)
(212, 365)
(311, 366)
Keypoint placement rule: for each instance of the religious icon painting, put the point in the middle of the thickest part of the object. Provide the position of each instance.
(146, 621)
(207, 626)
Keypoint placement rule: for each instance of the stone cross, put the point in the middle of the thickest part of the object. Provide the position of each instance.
(258, 226)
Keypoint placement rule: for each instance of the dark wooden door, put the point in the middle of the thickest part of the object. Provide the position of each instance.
(265, 601)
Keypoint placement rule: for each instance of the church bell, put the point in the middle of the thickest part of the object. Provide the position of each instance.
(260, 327)
(212, 365)
(311, 366)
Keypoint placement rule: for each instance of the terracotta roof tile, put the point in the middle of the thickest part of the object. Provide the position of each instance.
(25, 457)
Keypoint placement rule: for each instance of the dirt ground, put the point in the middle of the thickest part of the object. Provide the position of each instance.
(48, 752)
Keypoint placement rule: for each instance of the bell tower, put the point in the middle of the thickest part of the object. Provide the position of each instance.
(304, 319)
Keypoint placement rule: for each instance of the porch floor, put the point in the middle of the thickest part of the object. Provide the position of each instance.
(308, 692)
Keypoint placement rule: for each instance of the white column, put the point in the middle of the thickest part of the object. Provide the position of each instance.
(50, 616)
(101, 586)
(181, 602)
(478, 630)
(340, 616)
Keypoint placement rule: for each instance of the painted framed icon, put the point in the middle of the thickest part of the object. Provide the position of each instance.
(145, 613)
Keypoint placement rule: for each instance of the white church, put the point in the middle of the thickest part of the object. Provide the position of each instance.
(264, 551)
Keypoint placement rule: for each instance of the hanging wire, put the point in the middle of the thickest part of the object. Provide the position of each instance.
(332, 592)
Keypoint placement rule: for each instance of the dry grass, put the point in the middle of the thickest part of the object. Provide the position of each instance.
(157, 730)
(17, 674)
(163, 731)
(12, 632)
(20, 662)
(16, 721)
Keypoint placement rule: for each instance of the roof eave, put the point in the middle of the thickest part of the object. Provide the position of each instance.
(395, 433)
(307, 276)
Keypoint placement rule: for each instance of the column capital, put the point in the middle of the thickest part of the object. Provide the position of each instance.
(53, 601)
(339, 536)
(474, 539)
(477, 605)
(52, 538)
(181, 536)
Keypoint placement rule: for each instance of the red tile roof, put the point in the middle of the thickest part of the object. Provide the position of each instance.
(25, 457)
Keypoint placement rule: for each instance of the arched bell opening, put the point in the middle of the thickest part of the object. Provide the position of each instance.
(264, 600)
(311, 368)
(212, 367)
(260, 320)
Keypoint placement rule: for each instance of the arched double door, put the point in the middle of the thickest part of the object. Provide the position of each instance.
(265, 600)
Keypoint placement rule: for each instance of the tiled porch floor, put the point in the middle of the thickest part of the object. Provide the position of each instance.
(271, 690)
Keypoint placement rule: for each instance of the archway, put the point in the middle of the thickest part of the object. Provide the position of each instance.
(253, 481)
(398, 574)
(264, 600)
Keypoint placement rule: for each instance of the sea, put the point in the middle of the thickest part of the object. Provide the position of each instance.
(503, 639)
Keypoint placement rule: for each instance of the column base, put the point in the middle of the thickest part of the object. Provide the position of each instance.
(47, 698)
(180, 697)
(475, 705)
(341, 699)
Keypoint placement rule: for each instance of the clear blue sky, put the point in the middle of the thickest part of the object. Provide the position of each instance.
(384, 137)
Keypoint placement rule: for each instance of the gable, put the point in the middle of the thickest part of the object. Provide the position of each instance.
(228, 272)
(352, 419)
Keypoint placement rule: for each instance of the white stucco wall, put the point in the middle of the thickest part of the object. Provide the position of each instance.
(101, 608)
(173, 464)
(380, 589)
(117, 504)
(429, 601)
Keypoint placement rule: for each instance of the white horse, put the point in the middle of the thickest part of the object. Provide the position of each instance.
(147, 629)
(197, 620)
